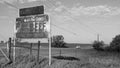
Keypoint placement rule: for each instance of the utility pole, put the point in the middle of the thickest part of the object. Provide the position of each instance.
(98, 37)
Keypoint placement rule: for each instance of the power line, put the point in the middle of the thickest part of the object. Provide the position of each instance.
(61, 27)
(74, 19)
(9, 4)
(64, 29)
(95, 33)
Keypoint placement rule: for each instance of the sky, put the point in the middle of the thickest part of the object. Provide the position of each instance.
(79, 21)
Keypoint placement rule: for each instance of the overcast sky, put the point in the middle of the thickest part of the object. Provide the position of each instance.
(77, 20)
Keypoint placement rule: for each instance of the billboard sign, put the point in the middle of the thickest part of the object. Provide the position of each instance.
(31, 11)
(33, 26)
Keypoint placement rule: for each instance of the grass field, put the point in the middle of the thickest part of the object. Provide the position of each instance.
(89, 58)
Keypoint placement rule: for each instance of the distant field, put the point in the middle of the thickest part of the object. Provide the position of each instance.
(44, 49)
(46, 45)
(89, 58)
(55, 51)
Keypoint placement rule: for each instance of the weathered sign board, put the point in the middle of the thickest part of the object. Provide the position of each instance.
(31, 11)
(33, 26)
(31, 23)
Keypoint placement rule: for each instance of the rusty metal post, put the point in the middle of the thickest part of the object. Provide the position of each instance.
(60, 52)
(9, 56)
(31, 49)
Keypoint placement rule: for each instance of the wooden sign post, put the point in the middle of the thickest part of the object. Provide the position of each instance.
(31, 49)
(38, 51)
(10, 58)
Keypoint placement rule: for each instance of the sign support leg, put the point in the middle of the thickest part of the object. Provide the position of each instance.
(14, 48)
(38, 51)
(31, 49)
(49, 41)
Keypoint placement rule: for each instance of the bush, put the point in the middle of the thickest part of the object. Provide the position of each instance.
(58, 41)
(98, 45)
(115, 44)
(108, 48)
(59, 44)
(66, 58)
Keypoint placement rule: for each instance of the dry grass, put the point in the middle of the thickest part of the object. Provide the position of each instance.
(89, 58)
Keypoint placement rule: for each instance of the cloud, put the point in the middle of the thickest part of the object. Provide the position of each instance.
(31, 0)
(10, 1)
(99, 10)
(60, 8)
(1, 1)
(58, 3)
(20, 1)
(95, 10)
(26, 1)
(4, 17)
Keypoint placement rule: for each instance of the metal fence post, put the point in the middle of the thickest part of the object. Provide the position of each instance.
(31, 49)
(60, 50)
(10, 50)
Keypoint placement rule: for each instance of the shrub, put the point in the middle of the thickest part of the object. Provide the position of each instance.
(59, 44)
(58, 41)
(98, 45)
(66, 58)
(108, 48)
(115, 44)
